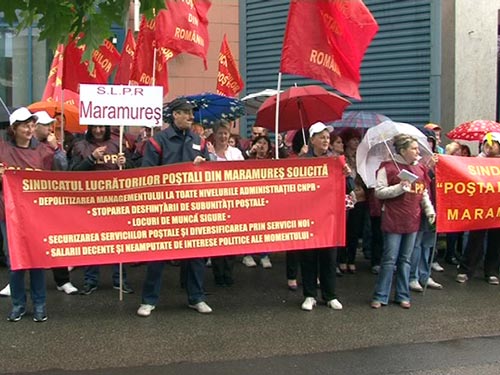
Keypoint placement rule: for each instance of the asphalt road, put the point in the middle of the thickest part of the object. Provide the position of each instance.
(257, 327)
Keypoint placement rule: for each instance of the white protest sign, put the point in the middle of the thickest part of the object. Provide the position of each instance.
(121, 105)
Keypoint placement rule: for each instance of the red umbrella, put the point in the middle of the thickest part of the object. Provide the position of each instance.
(300, 107)
(474, 130)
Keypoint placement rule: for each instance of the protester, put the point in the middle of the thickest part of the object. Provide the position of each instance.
(403, 202)
(475, 244)
(322, 261)
(45, 135)
(260, 148)
(98, 152)
(175, 144)
(426, 236)
(23, 150)
(222, 266)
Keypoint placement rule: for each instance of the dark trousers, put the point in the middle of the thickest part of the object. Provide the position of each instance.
(292, 264)
(222, 268)
(454, 245)
(354, 231)
(61, 275)
(475, 250)
(324, 262)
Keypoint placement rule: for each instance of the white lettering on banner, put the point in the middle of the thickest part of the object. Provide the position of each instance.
(121, 105)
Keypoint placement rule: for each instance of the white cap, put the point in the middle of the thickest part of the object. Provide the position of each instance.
(318, 127)
(21, 114)
(44, 118)
(494, 136)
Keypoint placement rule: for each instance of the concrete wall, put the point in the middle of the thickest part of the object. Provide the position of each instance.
(475, 60)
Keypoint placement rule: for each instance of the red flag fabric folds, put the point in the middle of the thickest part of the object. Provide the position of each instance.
(55, 73)
(148, 54)
(105, 59)
(326, 40)
(229, 82)
(124, 70)
(183, 27)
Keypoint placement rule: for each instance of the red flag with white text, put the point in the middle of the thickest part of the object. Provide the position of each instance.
(326, 40)
(183, 27)
(124, 70)
(229, 82)
(148, 54)
(105, 59)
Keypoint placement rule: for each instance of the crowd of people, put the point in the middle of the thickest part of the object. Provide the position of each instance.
(394, 220)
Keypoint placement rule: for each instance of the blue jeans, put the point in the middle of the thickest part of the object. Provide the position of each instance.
(37, 287)
(397, 251)
(195, 275)
(420, 269)
(91, 276)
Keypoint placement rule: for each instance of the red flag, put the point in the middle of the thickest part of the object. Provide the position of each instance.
(326, 40)
(105, 58)
(124, 70)
(183, 27)
(144, 58)
(55, 73)
(229, 82)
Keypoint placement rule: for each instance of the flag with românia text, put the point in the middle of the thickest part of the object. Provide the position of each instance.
(326, 40)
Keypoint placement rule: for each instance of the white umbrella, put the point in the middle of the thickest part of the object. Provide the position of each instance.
(376, 147)
(255, 100)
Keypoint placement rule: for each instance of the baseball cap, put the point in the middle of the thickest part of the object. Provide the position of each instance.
(21, 115)
(44, 118)
(318, 127)
(180, 104)
(432, 126)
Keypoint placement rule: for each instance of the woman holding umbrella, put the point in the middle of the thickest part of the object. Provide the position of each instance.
(403, 201)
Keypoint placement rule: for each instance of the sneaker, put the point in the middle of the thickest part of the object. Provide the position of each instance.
(493, 280)
(5, 292)
(209, 262)
(68, 288)
(39, 314)
(266, 262)
(437, 267)
(125, 288)
(248, 261)
(292, 285)
(334, 304)
(461, 278)
(145, 310)
(16, 314)
(375, 270)
(201, 307)
(416, 287)
(433, 285)
(308, 304)
(88, 289)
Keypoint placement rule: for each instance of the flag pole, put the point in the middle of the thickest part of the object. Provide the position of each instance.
(121, 264)
(277, 117)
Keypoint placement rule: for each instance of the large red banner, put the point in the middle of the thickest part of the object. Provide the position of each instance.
(173, 212)
(467, 193)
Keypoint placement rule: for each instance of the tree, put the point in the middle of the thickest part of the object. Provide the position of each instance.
(58, 19)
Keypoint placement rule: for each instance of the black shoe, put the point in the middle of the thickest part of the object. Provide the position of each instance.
(16, 313)
(88, 289)
(125, 289)
(453, 261)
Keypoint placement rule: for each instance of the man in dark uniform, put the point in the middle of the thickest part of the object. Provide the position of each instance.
(175, 144)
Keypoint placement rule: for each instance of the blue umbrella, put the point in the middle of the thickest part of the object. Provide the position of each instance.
(212, 107)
